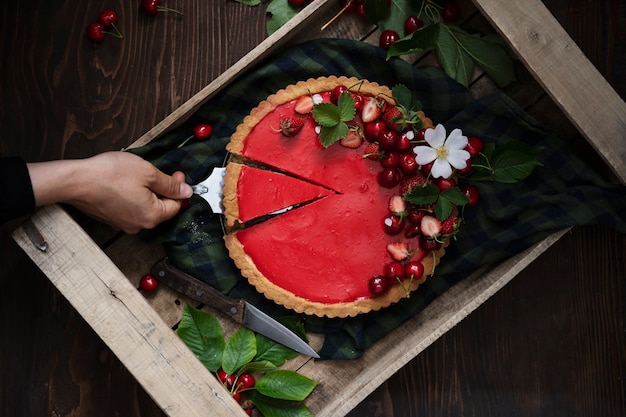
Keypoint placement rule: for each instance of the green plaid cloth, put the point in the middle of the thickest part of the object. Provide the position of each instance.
(510, 218)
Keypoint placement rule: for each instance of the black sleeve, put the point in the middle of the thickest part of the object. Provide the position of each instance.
(16, 190)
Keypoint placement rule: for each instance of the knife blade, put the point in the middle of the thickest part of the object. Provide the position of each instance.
(239, 310)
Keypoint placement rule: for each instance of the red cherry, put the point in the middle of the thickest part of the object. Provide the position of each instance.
(450, 12)
(373, 129)
(414, 230)
(408, 164)
(95, 32)
(236, 396)
(348, 6)
(419, 135)
(393, 225)
(426, 168)
(428, 244)
(203, 131)
(334, 95)
(388, 38)
(360, 10)
(416, 215)
(108, 18)
(388, 139)
(404, 145)
(378, 285)
(474, 146)
(152, 7)
(393, 271)
(230, 380)
(445, 183)
(246, 381)
(389, 177)
(222, 376)
(297, 3)
(411, 24)
(414, 270)
(390, 160)
(472, 194)
(467, 170)
(358, 102)
(148, 283)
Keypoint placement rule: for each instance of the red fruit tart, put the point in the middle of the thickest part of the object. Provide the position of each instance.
(338, 239)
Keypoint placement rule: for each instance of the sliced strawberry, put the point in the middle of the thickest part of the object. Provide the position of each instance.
(411, 182)
(352, 140)
(371, 109)
(398, 250)
(291, 126)
(431, 226)
(304, 105)
(397, 206)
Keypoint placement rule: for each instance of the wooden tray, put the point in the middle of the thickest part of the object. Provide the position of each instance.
(138, 329)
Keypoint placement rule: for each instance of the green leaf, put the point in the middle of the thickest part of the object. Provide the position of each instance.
(331, 134)
(512, 164)
(285, 385)
(268, 350)
(452, 57)
(202, 333)
(454, 195)
(281, 11)
(250, 2)
(347, 110)
(443, 209)
(271, 407)
(422, 40)
(376, 10)
(423, 195)
(399, 11)
(257, 367)
(326, 114)
(240, 349)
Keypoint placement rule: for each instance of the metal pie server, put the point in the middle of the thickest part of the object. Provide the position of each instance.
(239, 310)
(211, 189)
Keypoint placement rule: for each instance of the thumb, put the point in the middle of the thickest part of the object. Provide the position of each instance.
(173, 187)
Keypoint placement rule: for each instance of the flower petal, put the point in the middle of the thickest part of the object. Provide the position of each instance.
(435, 137)
(456, 140)
(441, 169)
(424, 154)
(458, 158)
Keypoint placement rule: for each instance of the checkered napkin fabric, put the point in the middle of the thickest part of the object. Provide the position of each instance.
(510, 218)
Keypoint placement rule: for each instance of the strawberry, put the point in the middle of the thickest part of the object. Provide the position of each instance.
(431, 226)
(291, 126)
(450, 225)
(393, 118)
(371, 110)
(397, 206)
(398, 250)
(410, 183)
(352, 140)
(304, 105)
(372, 151)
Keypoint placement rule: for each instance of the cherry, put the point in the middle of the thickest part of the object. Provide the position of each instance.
(334, 95)
(373, 129)
(348, 5)
(390, 160)
(420, 134)
(450, 12)
(426, 168)
(108, 18)
(388, 38)
(152, 7)
(358, 102)
(222, 376)
(403, 144)
(378, 285)
(394, 271)
(360, 10)
(429, 244)
(148, 283)
(472, 194)
(467, 170)
(414, 270)
(474, 146)
(297, 3)
(389, 177)
(201, 131)
(445, 183)
(95, 32)
(388, 139)
(393, 225)
(411, 24)
(408, 164)
(414, 230)
(416, 215)
(246, 381)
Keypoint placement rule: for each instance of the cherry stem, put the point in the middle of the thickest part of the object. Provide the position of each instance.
(339, 13)
(185, 142)
(167, 9)
(117, 33)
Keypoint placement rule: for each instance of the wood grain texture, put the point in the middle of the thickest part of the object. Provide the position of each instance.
(550, 343)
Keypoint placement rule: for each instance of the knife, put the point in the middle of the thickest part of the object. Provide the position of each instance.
(239, 310)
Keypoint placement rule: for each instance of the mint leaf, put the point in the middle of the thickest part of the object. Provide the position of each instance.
(271, 407)
(239, 350)
(285, 385)
(327, 114)
(202, 333)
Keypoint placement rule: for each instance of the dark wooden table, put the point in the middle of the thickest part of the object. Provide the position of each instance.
(550, 343)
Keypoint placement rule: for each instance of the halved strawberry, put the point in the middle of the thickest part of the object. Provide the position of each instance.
(352, 140)
(371, 109)
(398, 250)
(397, 206)
(291, 126)
(431, 226)
(304, 105)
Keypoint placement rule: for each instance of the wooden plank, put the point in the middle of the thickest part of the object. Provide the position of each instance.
(565, 73)
(124, 320)
(353, 381)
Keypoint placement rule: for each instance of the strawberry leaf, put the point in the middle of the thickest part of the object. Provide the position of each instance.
(331, 134)
(423, 195)
(285, 385)
(202, 333)
(448, 198)
(240, 349)
(347, 109)
(327, 114)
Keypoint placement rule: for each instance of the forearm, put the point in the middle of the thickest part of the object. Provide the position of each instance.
(57, 181)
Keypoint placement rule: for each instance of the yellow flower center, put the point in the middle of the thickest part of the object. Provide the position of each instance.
(442, 152)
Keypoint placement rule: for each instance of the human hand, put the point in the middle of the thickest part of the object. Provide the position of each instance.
(117, 188)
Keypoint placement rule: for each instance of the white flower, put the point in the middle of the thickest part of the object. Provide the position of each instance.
(447, 153)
